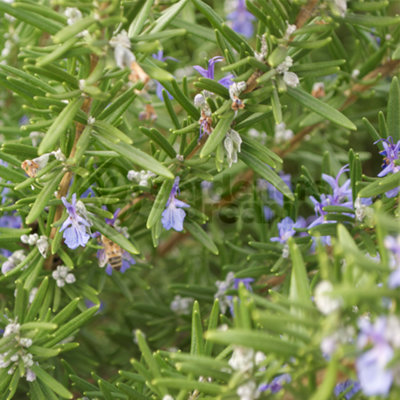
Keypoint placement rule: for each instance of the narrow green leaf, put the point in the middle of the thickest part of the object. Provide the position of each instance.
(111, 132)
(42, 10)
(196, 343)
(217, 135)
(381, 185)
(325, 389)
(185, 383)
(50, 382)
(43, 351)
(28, 78)
(159, 203)
(150, 360)
(139, 21)
(299, 284)
(71, 326)
(256, 340)
(182, 99)
(266, 172)
(59, 126)
(34, 19)
(43, 198)
(393, 110)
(114, 235)
(212, 86)
(371, 21)
(212, 324)
(37, 300)
(57, 52)
(137, 157)
(213, 18)
(66, 312)
(73, 30)
(168, 15)
(372, 131)
(320, 108)
(310, 44)
(261, 151)
(158, 138)
(198, 233)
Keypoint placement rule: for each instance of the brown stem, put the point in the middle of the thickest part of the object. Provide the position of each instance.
(66, 179)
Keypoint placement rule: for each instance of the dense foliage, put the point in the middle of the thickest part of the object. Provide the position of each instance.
(199, 199)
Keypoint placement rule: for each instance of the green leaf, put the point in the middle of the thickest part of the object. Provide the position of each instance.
(371, 21)
(325, 389)
(182, 99)
(168, 15)
(47, 326)
(159, 203)
(393, 110)
(137, 157)
(139, 21)
(198, 233)
(320, 108)
(34, 19)
(256, 340)
(43, 351)
(111, 132)
(266, 172)
(381, 185)
(212, 324)
(150, 360)
(66, 312)
(58, 52)
(187, 384)
(37, 300)
(299, 284)
(71, 326)
(59, 126)
(213, 18)
(158, 138)
(50, 382)
(212, 86)
(114, 235)
(43, 198)
(217, 135)
(73, 30)
(196, 343)
(261, 152)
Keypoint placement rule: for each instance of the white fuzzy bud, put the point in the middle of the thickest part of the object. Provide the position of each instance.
(291, 79)
(199, 100)
(324, 302)
(42, 244)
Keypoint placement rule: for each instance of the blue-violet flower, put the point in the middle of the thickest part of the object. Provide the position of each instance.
(75, 226)
(173, 215)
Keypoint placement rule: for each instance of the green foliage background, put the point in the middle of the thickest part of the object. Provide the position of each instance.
(127, 348)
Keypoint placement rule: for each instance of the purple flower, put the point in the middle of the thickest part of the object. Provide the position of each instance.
(173, 215)
(391, 154)
(393, 245)
(286, 229)
(160, 56)
(276, 384)
(374, 376)
(236, 282)
(209, 72)
(341, 196)
(242, 20)
(350, 388)
(74, 227)
(10, 221)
